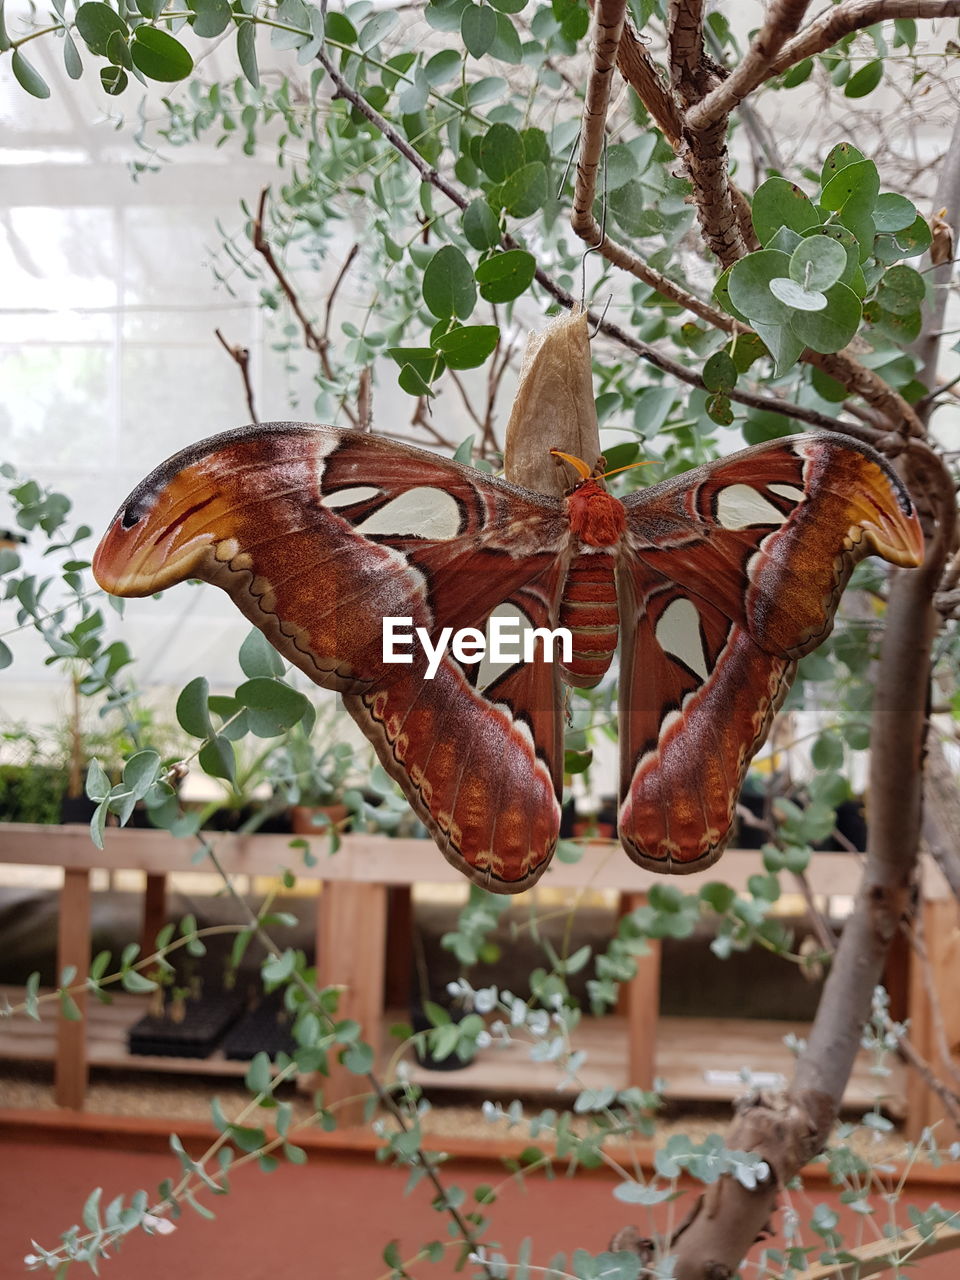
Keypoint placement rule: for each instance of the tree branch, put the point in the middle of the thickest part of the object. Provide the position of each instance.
(317, 342)
(947, 197)
(643, 76)
(854, 15)
(685, 38)
(783, 19)
(241, 356)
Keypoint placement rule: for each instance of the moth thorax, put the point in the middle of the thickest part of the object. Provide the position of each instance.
(589, 609)
(596, 517)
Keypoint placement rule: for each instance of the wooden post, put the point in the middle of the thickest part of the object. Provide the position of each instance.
(73, 948)
(941, 937)
(351, 942)
(642, 1008)
(399, 958)
(154, 911)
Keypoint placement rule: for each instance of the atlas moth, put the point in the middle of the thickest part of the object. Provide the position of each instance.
(715, 582)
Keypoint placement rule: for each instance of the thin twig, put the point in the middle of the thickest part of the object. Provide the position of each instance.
(314, 341)
(241, 356)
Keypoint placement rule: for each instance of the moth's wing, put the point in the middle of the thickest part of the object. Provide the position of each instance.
(729, 574)
(318, 535)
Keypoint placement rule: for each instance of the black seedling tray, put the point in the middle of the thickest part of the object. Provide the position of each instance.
(205, 1020)
(265, 1029)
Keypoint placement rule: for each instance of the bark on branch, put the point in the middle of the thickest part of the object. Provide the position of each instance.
(783, 19)
(854, 15)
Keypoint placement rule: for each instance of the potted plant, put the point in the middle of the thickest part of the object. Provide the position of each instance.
(311, 772)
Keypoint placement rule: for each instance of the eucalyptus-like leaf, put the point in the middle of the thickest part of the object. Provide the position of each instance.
(893, 212)
(481, 225)
(859, 181)
(504, 276)
(817, 262)
(501, 152)
(28, 77)
(779, 203)
(96, 22)
(842, 155)
(865, 80)
(749, 286)
(795, 296)
(830, 329)
(468, 346)
(449, 288)
(159, 55)
(478, 29)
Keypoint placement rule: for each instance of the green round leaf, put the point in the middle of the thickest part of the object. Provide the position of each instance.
(749, 286)
(779, 203)
(915, 239)
(272, 705)
(504, 276)
(118, 51)
(783, 344)
(798, 74)
(795, 296)
(893, 212)
(191, 710)
(449, 288)
(828, 388)
(28, 78)
(478, 29)
(217, 759)
(339, 27)
(621, 166)
(720, 410)
(833, 328)
(506, 46)
(525, 191)
(865, 80)
(469, 346)
(258, 657)
(114, 80)
(720, 372)
(443, 66)
(159, 56)
(901, 290)
(859, 180)
(786, 239)
(721, 293)
(372, 32)
(501, 152)
(481, 225)
(817, 262)
(827, 752)
(843, 154)
(212, 17)
(96, 23)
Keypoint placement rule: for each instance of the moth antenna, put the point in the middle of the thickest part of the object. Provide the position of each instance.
(646, 462)
(578, 464)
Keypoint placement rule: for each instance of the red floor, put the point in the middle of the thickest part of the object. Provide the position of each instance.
(329, 1219)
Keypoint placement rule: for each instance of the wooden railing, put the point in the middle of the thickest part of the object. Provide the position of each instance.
(351, 921)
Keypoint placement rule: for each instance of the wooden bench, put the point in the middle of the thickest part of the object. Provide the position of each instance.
(351, 921)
